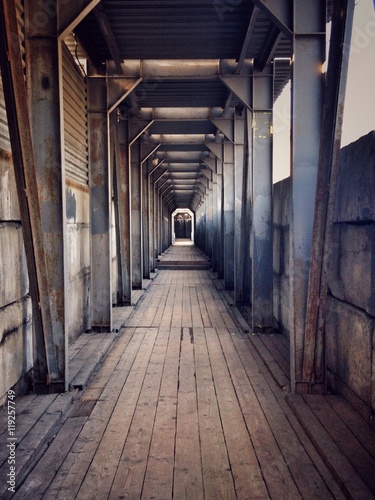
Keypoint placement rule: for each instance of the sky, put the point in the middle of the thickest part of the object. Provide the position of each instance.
(359, 112)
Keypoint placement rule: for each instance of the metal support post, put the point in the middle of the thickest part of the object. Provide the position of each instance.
(146, 221)
(261, 252)
(123, 209)
(47, 281)
(136, 214)
(45, 79)
(220, 209)
(100, 206)
(307, 103)
(215, 217)
(329, 161)
(228, 185)
(247, 208)
(239, 222)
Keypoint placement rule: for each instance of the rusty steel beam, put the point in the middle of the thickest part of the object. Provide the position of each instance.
(100, 200)
(71, 13)
(307, 108)
(50, 352)
(328, 169)
(107, 33)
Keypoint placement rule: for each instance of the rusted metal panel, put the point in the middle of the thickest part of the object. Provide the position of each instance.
(75, 120)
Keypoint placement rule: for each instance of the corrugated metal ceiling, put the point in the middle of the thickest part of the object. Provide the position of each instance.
(184, 30)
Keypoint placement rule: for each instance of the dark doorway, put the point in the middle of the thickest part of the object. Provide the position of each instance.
(182, 226)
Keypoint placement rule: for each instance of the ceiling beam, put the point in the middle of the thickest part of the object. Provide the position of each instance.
(269, 49)
(280, 13)
(107, 33)
(71, 13)
(246, 43)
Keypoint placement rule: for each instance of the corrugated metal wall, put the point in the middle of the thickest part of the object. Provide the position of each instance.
(75, 120)
(4, 132)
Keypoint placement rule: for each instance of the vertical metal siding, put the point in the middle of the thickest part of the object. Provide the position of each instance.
(75, 120)
(4, 132)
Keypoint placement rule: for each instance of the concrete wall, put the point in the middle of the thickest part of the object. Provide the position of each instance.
(281, 222)
(350, 325)
(78, 258)
(15, 302)
(351, 306)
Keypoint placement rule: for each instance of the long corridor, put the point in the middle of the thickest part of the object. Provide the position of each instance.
(183, 407)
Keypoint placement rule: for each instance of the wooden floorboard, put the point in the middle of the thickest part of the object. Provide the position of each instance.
(184, 406)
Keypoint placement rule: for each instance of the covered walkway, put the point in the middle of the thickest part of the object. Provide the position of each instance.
(124, 126)
(185, 407)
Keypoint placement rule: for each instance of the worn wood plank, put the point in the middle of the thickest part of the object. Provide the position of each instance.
(352, 485)
(104, 464)
(217, 477)
(85, 354)
(158, 484)
(33, 445)
(26, 419)
(345, 440)
(279, 395)
(129, 478)
(186, 307)
(41, 476)
(354, 421)
(272, 365)
(166, 319)
(195, 309)
(100, 379)
(91, 365)
(244, 464)
(177, 308)
(275, 352)
(305, 474)
(188, 481)
(74, 468)
(275, 468)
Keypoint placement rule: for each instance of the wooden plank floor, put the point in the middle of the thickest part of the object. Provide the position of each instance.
(184, 408)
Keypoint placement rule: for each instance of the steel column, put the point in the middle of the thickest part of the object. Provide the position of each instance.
(220, 208)
(239, 223)
(44, 72)
(215, 242)
(329, 161)
(100, 206)
(247, 208)
(307, 102)
(228, 185)
(123, 210)
(146, 221)
(136, 215)
(261, 252)
(49, 313)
